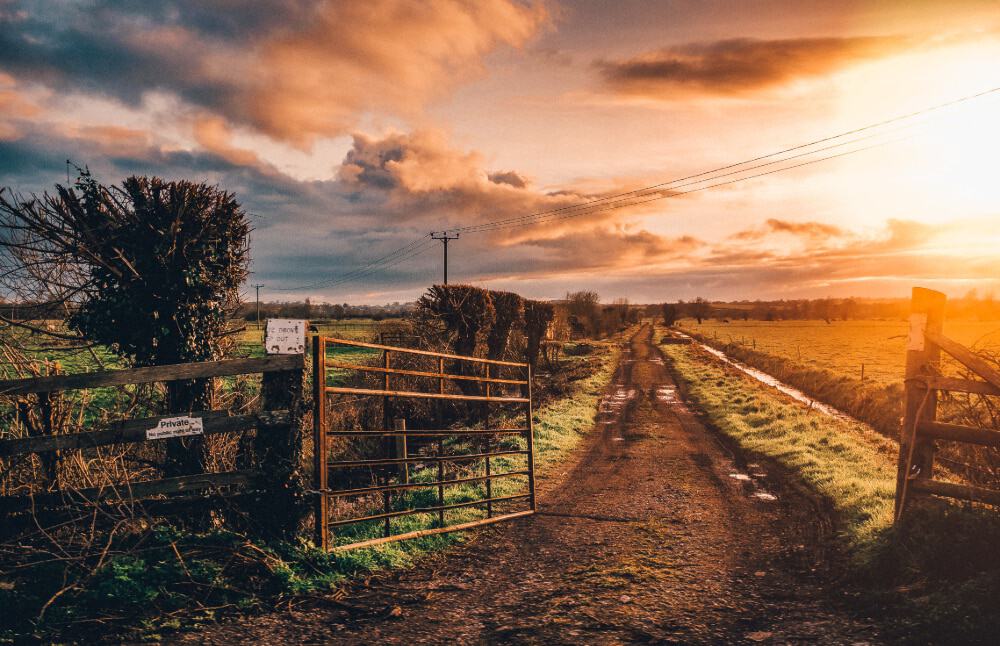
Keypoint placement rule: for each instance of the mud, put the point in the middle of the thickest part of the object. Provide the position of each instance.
(645, 538)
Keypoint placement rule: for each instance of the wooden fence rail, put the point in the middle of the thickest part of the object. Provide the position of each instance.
(276, 453)
(923, 382)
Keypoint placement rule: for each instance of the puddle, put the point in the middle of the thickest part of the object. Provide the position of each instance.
(753, 485)
(666, 394)
(768, 380)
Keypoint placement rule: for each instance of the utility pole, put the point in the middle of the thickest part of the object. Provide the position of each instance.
(257, 287)
(444, 237)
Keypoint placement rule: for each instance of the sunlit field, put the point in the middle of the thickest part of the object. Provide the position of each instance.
(841, 346)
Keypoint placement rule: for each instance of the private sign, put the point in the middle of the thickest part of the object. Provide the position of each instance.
(285, 336)
(176, 427)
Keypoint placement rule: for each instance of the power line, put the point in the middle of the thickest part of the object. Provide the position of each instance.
(586, 209)
(815, 142)
(641, 195)
(385, 258)
(370, 269)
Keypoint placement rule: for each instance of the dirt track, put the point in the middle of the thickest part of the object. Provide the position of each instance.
(645, 538)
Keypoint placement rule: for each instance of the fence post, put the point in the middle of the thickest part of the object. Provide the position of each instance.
(278, 450)
(916, 455)
(320, 483)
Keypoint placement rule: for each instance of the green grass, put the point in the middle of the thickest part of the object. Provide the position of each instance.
(936, 574)
(845, 461)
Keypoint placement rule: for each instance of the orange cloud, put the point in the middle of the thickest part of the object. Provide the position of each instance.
(391, 55)
(813, 231)
(214, 135)
(740, 65)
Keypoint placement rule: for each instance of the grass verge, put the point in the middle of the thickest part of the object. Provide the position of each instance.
(878, 405)
(936, 576)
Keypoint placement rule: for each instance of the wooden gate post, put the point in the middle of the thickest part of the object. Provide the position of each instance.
(278, 450)
(916, 455)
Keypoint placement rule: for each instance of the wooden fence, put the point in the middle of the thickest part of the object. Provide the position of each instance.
(923, 382)
(275, 424)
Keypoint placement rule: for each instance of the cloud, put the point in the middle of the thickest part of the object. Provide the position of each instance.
(294, 70)
(812, 231)
(509, 177)
(395, 188)
(739, 66)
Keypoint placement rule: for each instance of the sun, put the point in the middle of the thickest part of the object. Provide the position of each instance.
(938, 167)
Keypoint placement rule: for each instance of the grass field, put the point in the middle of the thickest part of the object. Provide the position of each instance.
(841, 346)
(936, 574)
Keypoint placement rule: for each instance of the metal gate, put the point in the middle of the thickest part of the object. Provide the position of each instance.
(392, 482)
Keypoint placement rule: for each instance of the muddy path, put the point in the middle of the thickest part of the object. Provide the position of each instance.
(650, 534)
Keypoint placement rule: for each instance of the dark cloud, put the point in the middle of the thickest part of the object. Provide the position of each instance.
(739, 65)
(508, 177)
(293, 69)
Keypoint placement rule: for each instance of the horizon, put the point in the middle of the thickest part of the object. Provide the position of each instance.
(350, 133)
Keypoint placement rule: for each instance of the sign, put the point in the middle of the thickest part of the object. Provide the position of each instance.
(918, 325)
(176, 427)
(285, 336)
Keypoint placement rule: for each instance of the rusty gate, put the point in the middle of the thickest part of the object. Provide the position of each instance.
(394, 482)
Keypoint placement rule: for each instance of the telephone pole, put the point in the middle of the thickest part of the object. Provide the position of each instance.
(257, 287)
(444, 237)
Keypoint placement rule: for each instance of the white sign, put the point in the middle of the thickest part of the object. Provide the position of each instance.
(176, 427)
(285, 336)
(918, 326)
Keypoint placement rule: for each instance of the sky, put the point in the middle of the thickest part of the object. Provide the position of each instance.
(350, 130)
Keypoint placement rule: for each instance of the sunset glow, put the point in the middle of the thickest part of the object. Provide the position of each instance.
(452, 114)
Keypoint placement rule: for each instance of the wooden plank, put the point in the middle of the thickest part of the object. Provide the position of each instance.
(173, 372)
(417, 395)
(953, 384)
(418, 373)
(426, 353)
(430, 532)
(958, 433)
(958, 491)
(129, 431)
(127, 491)
(966, 357)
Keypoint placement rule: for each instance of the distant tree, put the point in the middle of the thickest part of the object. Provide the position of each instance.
(584, 311)
(700, 309)
(671, 313)
(150, 269)
(509, 308)
(537, 319)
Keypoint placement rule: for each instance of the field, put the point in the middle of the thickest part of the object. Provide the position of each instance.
(841, 347)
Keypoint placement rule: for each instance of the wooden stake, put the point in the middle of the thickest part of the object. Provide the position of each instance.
(916, 455)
